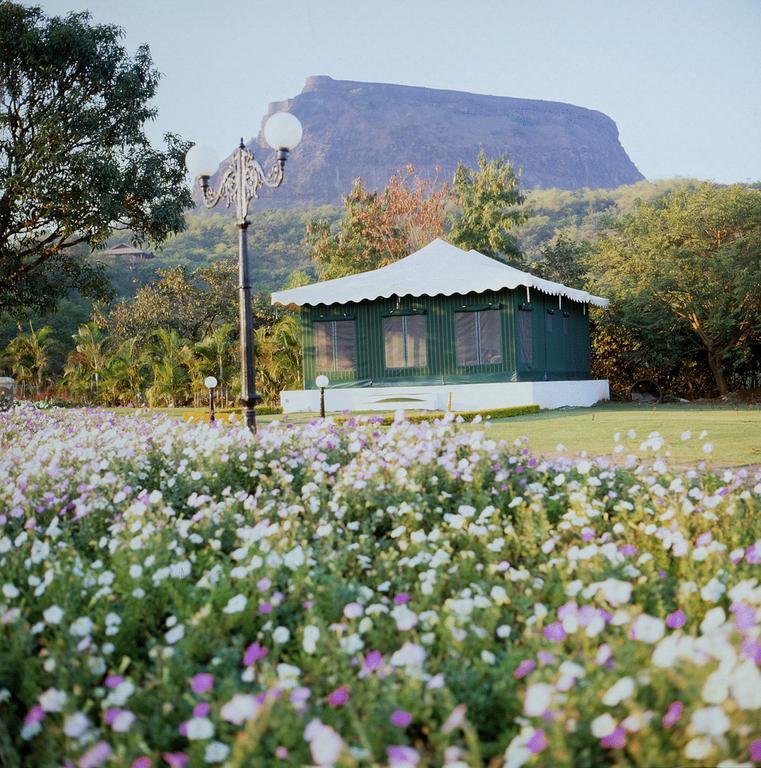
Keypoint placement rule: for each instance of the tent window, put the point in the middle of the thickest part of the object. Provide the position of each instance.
(335, 343)
(525, 337)
(404, 341)
(478, 337)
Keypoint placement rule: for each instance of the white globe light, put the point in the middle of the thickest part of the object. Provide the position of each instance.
(283, 131)
(322, 381)
(201, 161)
(210, 382)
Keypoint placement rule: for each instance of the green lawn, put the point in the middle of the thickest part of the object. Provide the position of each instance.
(734, 431)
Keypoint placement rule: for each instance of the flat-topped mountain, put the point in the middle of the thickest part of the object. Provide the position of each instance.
(371, 130)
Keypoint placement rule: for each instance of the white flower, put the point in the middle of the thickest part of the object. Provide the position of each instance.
(710, 720)
(603, 726)
(615, 591)
(746, 685)
(503, 631)
(311, 636)
(175, 634)
(712, 620)
(81, 627)
(295, 558)
(216, 752)
(235, 604)
(240, 708)
(712, 591)
(409, 655)
(52, 700)
(517, 753)
(123, 721)
(10, 591)
(325, 744)
(538, 699)
(404, 617)
(648, 629)
(620, 691)
(199, 728)
(76, 725)
(716, 688)
(281, 635)
(53, 615)
(698, 748)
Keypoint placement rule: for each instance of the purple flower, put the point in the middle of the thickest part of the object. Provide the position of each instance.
(704, 539)
(755, 750)
(745, 616)
(615, 740)
(676, 619)
(545, 657)
(372, 661)
(400, 718)
(201, 709)
(35, 715)
(339, 697)
(537, 742)
(673, 714)
(628, 550)
(96, 755)
(202, 682)
(401, 598)
(402, 757)
(524, 668)
(253, 653)
(113, 680)
(587, 534)
(176, 759)
(142, 762)
(554, 632)
(265, 607)
(263, 584)
(751, 649)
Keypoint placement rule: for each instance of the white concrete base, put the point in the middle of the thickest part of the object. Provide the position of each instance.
(436, 397)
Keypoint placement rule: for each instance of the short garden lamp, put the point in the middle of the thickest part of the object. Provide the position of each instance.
(322, 381)
(210, 382)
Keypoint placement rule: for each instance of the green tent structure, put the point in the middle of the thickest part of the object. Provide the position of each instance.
(444, 328)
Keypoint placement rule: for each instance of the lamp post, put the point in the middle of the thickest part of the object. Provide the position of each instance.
(322, 381)
(240, 184)
(211, 382)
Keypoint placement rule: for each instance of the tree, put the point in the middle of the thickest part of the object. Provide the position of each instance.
(378, 228)
(488, 209)
(563, 260)
(170, 361)
(86, 363)
(689, 264)
(28, 355)
(191, 303)
(75, 162)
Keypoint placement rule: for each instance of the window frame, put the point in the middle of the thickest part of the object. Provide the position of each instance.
(403, 316)
(331, 321)
(478, 311)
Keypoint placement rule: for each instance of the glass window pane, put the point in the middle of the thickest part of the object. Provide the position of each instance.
(466, 345)
(393, 342)
(417, 354)
(346, 345)
(526, 337)
(323, 345)
(491, 337)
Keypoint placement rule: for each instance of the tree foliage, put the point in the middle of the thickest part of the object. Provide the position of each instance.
(489, 208)
(378, 228)
(563, 260)
(75, 162)
(689, 265)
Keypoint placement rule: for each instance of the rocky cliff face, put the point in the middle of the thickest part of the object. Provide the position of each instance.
(370, 130)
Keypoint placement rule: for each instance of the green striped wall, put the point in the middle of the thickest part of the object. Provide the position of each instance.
(556, 356)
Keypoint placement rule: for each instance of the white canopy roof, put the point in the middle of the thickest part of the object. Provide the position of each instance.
(437, 269)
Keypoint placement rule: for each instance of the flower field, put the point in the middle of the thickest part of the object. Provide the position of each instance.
(356, 595)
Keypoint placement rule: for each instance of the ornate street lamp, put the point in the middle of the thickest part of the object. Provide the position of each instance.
(240, 184)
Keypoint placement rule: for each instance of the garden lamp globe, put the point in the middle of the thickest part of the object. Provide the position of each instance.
(283, 131)
(201, 161)
(322, 381)
(210, 382)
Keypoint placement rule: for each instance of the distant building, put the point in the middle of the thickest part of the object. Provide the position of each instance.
(444, 326)
(128, 252)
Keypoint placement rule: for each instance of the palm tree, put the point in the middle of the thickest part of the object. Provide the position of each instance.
(28, 355)
(216, 353)
(124, 375)
(170, 360)
(86, 363)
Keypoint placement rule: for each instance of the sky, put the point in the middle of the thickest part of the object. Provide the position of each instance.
(681, 78)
